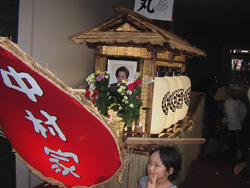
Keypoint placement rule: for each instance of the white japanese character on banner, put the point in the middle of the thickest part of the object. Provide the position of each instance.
(19, 78)
(57, 156)
(51, 120)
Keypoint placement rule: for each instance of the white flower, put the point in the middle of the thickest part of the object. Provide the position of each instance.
(125, 97)
(120, 107)
(91, 78)
(92, 86)
(120, 90)
(125, 100)
(106, 76)
(131, 105)
(130, 81)
(148, 81)
(128, 92)
(137, 75)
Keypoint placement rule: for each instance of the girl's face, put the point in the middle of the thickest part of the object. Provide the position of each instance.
(121, 76)
(156, 167)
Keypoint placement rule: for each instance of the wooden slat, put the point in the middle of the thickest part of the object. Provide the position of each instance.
(162, 141)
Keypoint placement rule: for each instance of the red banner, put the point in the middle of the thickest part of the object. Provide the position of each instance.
(52, 131)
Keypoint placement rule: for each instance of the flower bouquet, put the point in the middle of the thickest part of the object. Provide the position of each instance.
(127, 100)
(98, 91)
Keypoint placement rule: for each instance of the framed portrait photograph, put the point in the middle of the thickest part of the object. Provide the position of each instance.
(121, 69)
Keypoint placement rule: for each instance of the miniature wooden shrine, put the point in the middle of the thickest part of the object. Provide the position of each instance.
(131, 36)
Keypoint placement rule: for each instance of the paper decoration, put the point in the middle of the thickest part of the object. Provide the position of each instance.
(178, 98)
(159, 110)
(155, 9)
(59, 136)
(171, 101)
(175, 102)
(186, 95)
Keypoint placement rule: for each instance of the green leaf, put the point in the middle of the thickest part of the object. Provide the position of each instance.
(115, 107)
(120, 114)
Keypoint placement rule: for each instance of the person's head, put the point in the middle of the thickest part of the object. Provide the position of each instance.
(221, 95)
(121, 73)
(164, 161)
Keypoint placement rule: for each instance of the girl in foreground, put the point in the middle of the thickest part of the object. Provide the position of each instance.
(163, 166)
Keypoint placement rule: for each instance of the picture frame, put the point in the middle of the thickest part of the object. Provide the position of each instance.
(114, 63)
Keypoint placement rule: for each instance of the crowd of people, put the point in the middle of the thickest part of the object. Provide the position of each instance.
(234, 113)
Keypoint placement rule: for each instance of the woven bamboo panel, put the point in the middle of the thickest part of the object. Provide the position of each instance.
(110, 50)
(147, 94)
(100, 63)
(180, 67)
(180, 58)
(125, 51)
(168, 64)
(167, 55)
(117, 124)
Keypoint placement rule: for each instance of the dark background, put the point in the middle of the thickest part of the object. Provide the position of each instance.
(215, 26)
(9, 18)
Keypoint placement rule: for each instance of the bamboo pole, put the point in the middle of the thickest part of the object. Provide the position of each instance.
(162, 141)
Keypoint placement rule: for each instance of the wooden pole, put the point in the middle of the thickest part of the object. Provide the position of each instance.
(162, 141)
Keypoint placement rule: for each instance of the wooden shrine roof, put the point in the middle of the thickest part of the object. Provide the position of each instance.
(128, 28)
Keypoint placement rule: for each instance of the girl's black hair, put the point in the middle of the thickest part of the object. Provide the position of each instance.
(171, 158)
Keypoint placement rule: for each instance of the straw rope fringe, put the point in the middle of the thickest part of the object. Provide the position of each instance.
(2, 133)
(77, 95)
(118, 176)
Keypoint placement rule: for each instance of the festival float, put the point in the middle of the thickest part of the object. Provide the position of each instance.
(176, 113)
(95, 137)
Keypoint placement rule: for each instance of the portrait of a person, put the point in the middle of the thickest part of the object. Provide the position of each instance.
(121, 74)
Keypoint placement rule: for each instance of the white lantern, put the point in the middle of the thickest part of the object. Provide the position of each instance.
(169, 100)
(186, 94)
(161, 88)
(178, 99)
